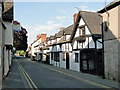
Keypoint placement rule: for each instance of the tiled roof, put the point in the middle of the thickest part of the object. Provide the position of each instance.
(59, 34)
(52, 37)
(69, 30)
(92, 20)
(61, 41)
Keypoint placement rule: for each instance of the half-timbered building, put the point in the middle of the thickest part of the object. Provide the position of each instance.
(87, 43)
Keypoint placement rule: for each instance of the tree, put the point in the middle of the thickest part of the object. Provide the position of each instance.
(20, 39)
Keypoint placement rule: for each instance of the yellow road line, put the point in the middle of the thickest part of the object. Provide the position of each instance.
(27, 77)
(32, 81)
(78, 78)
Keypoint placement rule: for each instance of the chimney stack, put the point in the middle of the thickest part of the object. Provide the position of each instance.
(75, 17)
(43, 37)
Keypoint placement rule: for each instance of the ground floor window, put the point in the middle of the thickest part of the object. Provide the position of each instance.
(63, 56)
(76, 57)
(56, 56)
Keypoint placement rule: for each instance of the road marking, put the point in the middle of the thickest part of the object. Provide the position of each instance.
(27, 77)
(78, 78)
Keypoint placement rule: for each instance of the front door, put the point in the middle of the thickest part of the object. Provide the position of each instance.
(67, 60)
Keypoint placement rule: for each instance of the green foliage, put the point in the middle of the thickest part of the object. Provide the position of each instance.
(20, 52)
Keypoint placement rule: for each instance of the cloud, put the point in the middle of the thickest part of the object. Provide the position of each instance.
(50, 28)
(61, 11)
(61, 18)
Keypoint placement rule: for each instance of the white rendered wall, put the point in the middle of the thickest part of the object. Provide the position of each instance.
(6, 62)
(74, 65)
(8, 33)
(62, 63)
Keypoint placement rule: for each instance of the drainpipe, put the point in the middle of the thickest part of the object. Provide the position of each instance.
(103, 67)
(96, 56)
(107, 14)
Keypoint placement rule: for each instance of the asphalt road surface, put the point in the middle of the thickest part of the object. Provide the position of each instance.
(32, 74)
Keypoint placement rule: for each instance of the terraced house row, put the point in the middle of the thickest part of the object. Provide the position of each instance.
(89, 45)
(6, 38)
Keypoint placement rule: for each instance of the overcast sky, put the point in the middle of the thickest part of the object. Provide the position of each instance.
(48, 17)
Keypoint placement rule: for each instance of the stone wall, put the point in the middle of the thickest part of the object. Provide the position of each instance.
(111, 59)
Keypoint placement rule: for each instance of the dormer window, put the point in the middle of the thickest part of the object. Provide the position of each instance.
(82, 30)
(64, 35)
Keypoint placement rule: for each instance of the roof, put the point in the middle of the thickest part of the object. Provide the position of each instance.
(8, 11)
(92, 20)
(59, 34)
(110, 6)
(61, 41)
(69, 29)
(52, 37)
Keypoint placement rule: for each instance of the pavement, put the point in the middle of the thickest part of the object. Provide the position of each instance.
(32, 74)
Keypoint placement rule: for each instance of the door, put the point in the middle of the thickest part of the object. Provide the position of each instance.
(87, 61)
(67, 60)
(90, 64)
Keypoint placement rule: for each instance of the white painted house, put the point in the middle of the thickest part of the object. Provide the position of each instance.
(7, 17)
(35, 48)
(87, 43)
(60, 48)
(52, 49)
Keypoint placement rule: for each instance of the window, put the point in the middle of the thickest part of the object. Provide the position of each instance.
(82, 30)
(76, 57)
(56, 57)
(63, 56)
(64, 35)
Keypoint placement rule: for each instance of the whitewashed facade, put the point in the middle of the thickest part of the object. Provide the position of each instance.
(86, 40)
(60, 49)
(6, 39)
(35, 49)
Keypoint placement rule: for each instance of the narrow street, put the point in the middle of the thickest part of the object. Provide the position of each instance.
(31, 74)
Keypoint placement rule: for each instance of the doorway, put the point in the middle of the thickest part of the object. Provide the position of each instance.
(67, 60)
(90, 64)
